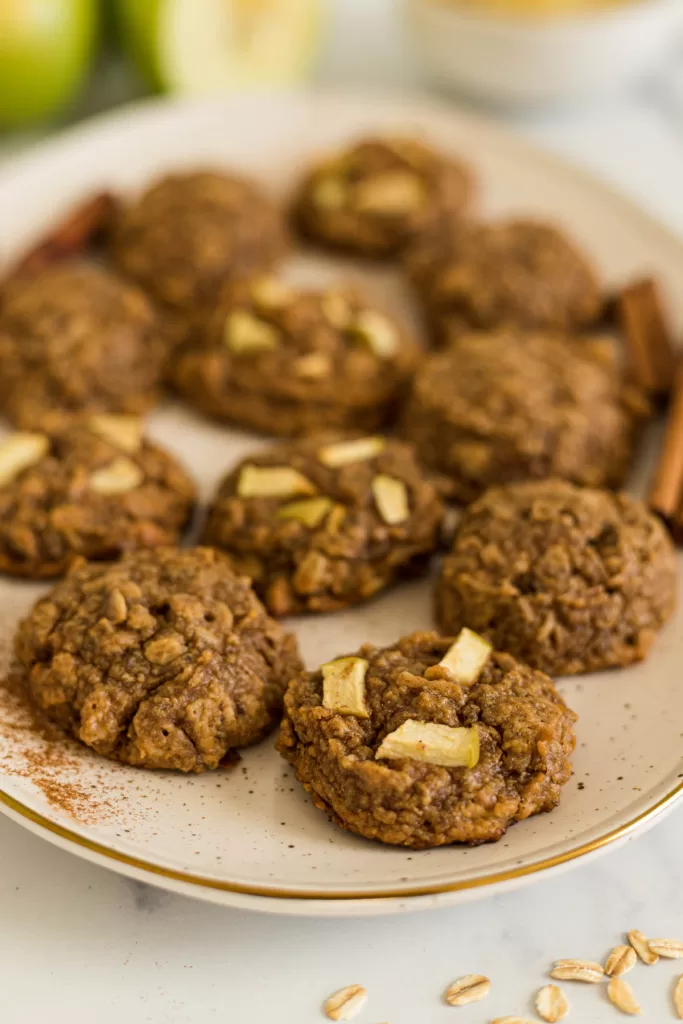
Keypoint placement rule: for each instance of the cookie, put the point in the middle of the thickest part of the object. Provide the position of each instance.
(96, 488)
(189, 233)
(516, 273)
(284, 362)
(77, 339)
(509, 406)
(376, 195)
(324, 523)
(567, 579)
(404, 745)
(165, 659)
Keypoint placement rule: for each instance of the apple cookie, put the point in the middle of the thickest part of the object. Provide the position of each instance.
(507, 406)
(515, 273)
(189, 233)
(375, 196)
(95, 488)
(323, 523)
(566, 578)
(429, 741)
(165, 659)
(280, 361)
(75, 338)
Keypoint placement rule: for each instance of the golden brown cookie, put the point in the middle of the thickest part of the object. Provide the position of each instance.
(511, 406)
(395, 746)
(324, 523)
(568, 579)
(189, 233)
(515, 273)
(73, 339)
(95, 488)
(376, 195)
(165, 659)
(280, 361)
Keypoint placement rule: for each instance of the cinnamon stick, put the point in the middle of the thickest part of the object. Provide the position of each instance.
(665, 496)
(641, 317)
(82, 227)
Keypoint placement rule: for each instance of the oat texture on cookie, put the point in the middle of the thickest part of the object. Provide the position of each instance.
(165, 659)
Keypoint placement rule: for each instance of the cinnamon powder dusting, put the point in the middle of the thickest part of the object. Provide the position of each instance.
(33, 748)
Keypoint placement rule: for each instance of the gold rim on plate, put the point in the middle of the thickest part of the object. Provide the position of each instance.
(296, 894)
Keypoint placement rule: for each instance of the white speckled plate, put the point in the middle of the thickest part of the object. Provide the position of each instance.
(249, 836)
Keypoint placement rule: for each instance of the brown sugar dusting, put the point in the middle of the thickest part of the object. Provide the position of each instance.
(33, 748)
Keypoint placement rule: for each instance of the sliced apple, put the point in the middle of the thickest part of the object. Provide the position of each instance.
(466, 658)
(20, 451)
(391, 499)
(445, 745)
(345, 452)
(310, 511)
(210, 45)
(119, 477)
(272, 482)
(344, 686)
(124, 432)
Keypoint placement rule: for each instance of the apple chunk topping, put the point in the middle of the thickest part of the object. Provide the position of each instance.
(344, 686)
(272, 482)
(445, 745)
(465, 659)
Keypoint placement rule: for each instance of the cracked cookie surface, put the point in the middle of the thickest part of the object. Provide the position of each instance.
(525, 733)
(326, 544)
(165, 659)
(568, 579)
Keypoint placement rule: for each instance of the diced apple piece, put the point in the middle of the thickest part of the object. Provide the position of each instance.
(445, 745)
(245, 333)
(272, 482)
(124, 432)
(344, 686)
(391, 499)
(345, 452)
(18, 452)
(466, 658)
(118, 477)
(377, 332)
(310, 511)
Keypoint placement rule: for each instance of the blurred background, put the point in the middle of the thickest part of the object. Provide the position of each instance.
(64, 59)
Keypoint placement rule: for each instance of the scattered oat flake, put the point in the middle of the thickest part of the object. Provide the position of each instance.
(620, 960)
(678, 997)
(642, 948)
(513, 1020)
(671, 949)
(346, 1003)
(468, 989)
(551, 1003)
(621, 995)
(578, 970)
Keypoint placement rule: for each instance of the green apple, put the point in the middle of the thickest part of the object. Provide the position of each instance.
(46, 47)
(208, 45)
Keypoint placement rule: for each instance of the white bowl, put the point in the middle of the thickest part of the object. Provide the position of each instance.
(523, 61)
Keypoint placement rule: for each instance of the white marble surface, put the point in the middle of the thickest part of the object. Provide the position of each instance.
(78, 943)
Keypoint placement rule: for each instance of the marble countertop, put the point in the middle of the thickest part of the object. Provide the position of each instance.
(79, 943)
